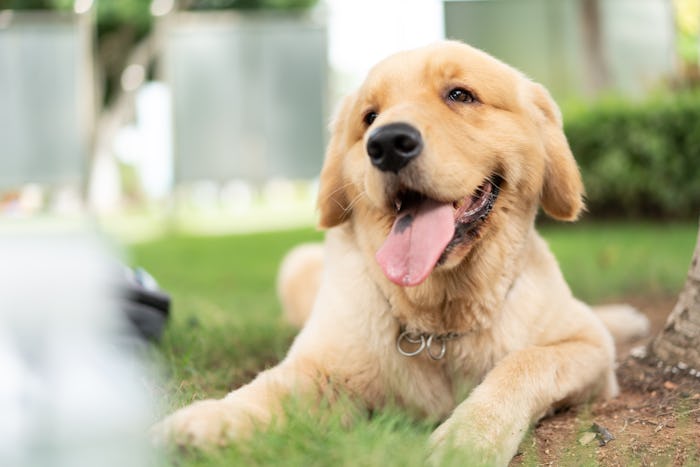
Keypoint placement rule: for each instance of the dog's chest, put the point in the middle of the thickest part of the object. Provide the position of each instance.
(436, 386)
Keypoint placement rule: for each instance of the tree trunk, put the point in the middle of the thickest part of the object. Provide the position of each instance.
(678, 344)
(597, 76)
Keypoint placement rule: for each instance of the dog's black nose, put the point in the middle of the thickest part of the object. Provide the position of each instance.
(391, 147)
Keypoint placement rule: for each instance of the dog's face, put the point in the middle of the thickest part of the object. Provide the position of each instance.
(438, 150)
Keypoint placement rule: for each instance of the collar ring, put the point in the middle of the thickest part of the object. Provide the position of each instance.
(429, 347)
(411, 338)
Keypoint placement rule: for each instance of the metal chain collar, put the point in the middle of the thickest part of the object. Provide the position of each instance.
(424, 342)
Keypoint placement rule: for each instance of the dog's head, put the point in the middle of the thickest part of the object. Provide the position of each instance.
(437, 148)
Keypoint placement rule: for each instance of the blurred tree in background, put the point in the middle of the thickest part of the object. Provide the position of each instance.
(120, 25)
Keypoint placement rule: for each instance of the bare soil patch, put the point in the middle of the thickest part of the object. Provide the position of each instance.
(655, 421)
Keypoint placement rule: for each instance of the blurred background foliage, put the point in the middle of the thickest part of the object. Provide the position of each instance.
(246, 4)
(639, 158)
(118, 8)
(687, 16)
(122, 24)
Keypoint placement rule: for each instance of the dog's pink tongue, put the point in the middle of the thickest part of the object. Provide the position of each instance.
(416, 241)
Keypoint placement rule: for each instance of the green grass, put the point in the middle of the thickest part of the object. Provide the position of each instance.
(226, 326)
(389, 438)
(603, 261)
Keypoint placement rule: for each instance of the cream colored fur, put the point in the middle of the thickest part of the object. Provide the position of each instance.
(526, 344)
(298, 281)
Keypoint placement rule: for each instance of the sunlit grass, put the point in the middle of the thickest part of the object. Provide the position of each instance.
(226, 326)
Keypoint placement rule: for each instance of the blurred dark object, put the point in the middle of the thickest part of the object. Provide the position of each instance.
(639, 159)
(146, 306)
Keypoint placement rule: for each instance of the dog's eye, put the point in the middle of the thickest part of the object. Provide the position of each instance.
(369, 118)
(461, 95)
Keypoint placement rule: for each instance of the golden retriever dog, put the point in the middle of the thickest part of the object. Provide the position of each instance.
(433, 290)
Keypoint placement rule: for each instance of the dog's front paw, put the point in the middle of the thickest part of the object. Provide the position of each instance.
(472, 440)
(203, 424)
(450, 444)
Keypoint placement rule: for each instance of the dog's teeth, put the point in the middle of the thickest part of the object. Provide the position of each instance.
(397, 205)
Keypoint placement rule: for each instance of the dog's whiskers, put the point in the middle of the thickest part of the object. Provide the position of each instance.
(495, 179)
(338, 203)
(341, 187)
(353, 202)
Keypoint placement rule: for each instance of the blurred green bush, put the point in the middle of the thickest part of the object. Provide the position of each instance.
(639, 159)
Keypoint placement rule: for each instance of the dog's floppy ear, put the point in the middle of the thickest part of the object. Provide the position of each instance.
(562, 191)
(333, 204)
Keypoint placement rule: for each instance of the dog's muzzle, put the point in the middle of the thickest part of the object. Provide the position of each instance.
(391, 147)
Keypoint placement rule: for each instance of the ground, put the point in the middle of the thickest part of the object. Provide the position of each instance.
(654, 421)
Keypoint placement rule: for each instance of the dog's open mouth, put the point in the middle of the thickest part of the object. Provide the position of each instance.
(425, 231)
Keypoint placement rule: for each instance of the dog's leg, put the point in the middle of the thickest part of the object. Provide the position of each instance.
(215, 422)
(492, 421)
